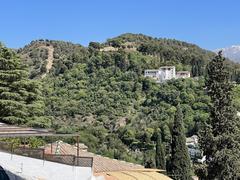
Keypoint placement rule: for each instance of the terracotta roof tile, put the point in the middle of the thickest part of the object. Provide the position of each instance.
(100, 163)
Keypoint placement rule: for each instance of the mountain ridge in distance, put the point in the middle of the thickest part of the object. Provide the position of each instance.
(232, 52)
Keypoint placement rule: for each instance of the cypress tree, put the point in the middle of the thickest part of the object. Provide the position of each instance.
(219, 138)
(160, 153)
(180, 168)
(20, 98)
(197, 67)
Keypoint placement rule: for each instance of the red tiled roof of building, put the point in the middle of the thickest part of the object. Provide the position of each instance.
(100, 163)
(139, 174)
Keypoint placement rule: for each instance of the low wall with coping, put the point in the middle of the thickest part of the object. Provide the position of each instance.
(35, 169)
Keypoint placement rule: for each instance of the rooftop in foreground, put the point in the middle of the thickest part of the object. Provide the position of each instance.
(106, 168)
(60, 155)
(139, 174)
(100, 163)
(31, 168)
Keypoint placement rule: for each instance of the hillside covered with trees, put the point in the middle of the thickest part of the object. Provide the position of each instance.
(100, 92)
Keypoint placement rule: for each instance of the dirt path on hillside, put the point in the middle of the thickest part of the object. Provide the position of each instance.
(49, 60)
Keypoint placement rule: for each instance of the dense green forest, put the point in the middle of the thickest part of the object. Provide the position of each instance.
(100, 92)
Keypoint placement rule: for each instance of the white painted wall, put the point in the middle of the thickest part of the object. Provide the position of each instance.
(167, 72)
(153, 73)
(35, 169)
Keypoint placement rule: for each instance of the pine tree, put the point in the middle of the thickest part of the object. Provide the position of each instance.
(180, 161)
(160, 153)
(219, 138)
(20, 98)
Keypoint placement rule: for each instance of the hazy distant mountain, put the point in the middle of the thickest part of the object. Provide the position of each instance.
(232, 52)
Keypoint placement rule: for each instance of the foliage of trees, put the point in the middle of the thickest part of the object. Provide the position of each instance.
(160, 152)
(107, 92)
(20, 98)
(220, 135)
(104, 97)
(65, 54)
(180, 167)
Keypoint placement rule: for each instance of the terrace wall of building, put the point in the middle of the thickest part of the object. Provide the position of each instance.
(30, 168)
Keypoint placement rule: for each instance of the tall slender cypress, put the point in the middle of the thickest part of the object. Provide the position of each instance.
(180, 168)
(220, 136)
(160, 153)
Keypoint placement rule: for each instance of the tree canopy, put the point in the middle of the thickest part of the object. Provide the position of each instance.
(20, 98)
(220, 135)
(180, 167)
(100, 92)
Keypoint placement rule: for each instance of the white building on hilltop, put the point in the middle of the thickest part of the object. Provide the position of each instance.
(165, 73)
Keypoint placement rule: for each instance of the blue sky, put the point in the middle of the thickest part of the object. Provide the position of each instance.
(209, 23)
